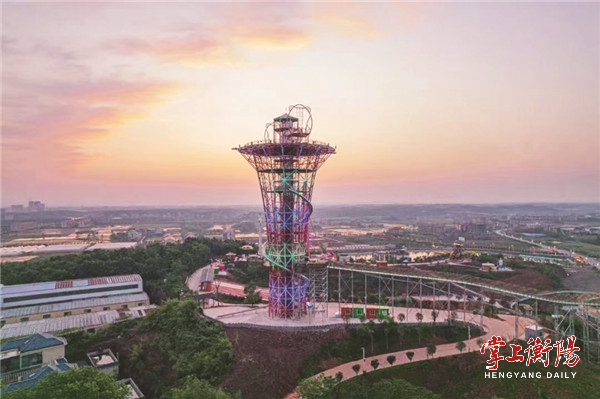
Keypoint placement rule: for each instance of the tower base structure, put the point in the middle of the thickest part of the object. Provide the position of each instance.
(287, 293)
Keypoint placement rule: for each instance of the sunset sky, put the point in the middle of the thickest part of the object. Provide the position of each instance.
(141, 103)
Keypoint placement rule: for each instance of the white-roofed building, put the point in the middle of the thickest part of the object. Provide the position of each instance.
(75, 307)
(20, 295)
(59, 305)
(112, 245)
(78, 322)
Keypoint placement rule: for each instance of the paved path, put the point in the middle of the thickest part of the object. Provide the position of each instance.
(235, 289)
(194, 281)
(223, 287)
(504, 327)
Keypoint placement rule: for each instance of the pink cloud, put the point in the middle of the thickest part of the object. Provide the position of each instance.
(54, 128)
(191, 49)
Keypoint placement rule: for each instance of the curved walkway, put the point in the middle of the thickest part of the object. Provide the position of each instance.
(206, 274)
(505, 327)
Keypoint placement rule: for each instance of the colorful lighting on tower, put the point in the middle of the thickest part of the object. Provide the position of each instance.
(286, 162)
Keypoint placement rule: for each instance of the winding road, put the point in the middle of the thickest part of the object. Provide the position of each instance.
(505, 327)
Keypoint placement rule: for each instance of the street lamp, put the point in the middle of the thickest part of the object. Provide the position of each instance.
(364, 358)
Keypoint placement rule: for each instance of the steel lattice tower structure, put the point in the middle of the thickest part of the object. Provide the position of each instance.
(286, 162)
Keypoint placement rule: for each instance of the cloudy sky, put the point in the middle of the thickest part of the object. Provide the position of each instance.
(141, 103)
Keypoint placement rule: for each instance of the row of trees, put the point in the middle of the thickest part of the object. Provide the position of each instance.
(387, 336)
(390, 327)
(324, 387)
(391, 359)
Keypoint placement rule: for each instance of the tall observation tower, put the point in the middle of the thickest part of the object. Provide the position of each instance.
(286, 162)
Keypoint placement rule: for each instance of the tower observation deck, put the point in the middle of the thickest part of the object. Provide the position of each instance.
(286, 162)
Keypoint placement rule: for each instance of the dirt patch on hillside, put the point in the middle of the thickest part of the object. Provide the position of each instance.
(268, 362)
(529, 278)
(326, 364)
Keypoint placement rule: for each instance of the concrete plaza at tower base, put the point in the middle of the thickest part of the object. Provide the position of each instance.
(244, 315)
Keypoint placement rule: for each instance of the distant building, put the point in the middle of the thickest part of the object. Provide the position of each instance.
(134, 235)
(473, 230)
(17, 208)
(534, 332)
(171, 239)
(361, 248)
(26, 354)
(240, 261)
(68, 223)
(18, 227)
(104, 361)
(229, 234)
(488, 267)
(76, 222)
(526, 309)
(36, 206)
(392, 256)
(344, 258)
(112, 245)
(134, 391)
(190, 235)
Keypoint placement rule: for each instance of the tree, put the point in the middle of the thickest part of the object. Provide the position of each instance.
(480, 341)
(194, 388)
(401, 318)
(366, 331)
(420, 330)
(320, 387)
(461, 346)
(374, 364)
(391, 359)
(339, 376)
(252, 296)
(431, 348)
(85, 382)
(356, 368)
(185, 343)
(434, 316)
(386, 332)
(410, 356)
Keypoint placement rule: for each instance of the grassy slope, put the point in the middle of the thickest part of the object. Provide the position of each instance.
(464, 377)
(349, 349)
